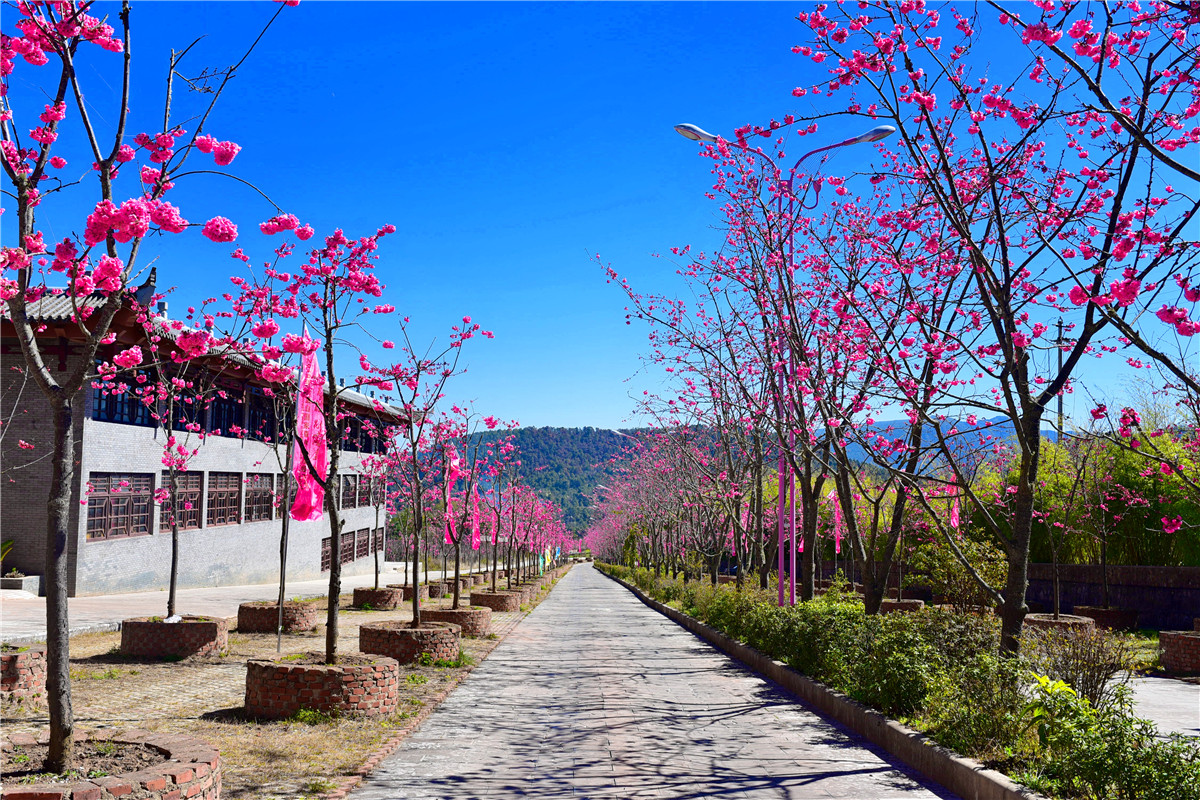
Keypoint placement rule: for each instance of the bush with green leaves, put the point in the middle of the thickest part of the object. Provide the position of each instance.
(1092, 661)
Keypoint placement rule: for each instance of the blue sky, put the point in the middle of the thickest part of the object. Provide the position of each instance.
(510, 143)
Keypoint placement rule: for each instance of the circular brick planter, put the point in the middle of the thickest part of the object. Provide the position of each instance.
(23, 673)
(379, 599)
(1179, 651)
(892, 606)
(497, 601)
(475, 621)
(151, 637)
(400, 641)
(357, 684)
(1065, 621)
(407, 590)
(1114, 619)
(478, 579)
(261, 616)
(437, 589)
(190, 769)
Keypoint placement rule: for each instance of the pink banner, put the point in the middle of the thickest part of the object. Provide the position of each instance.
(310, 430)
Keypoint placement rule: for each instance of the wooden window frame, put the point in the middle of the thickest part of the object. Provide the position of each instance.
(224, 499)
(189, 519)
(119, 512)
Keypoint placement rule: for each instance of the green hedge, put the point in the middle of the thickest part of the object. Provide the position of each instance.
(938, 672)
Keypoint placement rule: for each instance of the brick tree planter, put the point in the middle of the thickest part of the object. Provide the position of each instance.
(151, 637)
(261, 616)
(1064, 621)
(475, 621)
(1179, 651)
(407, 590)
(189, 769)
(497, 601)
(892, 606)
(437, 589)
(357, 684)
(23, 672)
(1114, 619)
(379, 599)
(478, 579)
(400, 641)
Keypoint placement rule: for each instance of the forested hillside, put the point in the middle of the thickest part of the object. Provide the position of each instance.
(565, 464)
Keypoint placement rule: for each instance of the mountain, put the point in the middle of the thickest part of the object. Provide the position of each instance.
(565, 464)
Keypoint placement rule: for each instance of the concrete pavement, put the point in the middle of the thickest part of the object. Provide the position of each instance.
(595, 695)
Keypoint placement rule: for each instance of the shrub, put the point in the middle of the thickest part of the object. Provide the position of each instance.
(1086, 659)
(895, 666)
(974, 706)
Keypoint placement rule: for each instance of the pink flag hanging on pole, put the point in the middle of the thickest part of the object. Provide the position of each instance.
(837, 524)
(310, 429)
(954, 505)
(475, 542)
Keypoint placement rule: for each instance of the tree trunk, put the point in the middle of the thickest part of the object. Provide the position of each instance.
(58, 664)
(457, 559)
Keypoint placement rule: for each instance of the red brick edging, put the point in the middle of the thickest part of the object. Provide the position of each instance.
(400, 641)
(275, 690)
(497, 601)
(422, 590)
(1179, 650)
(1064, 621)
(379, 599)
(152, 637)
(474, 620)
(23, 672)
(190, 769)
(262, 616)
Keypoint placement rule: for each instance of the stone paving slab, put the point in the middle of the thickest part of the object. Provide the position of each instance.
(594, 695)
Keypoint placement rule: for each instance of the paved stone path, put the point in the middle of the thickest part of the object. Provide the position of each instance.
(595, 695)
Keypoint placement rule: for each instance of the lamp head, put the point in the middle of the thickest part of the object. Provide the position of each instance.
(875, 134)
(694, 132)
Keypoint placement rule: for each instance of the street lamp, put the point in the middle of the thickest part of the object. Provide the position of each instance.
(787, 497)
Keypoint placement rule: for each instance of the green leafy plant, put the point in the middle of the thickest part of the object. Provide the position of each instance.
(311, 716)
(425, 659)
(417, 679)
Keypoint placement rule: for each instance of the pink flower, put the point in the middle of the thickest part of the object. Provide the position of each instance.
(1171, 525)
(280, 222)
(194, 343)
(167, 217)
(304, 232)
(1078, 295)
(224, 153)
(24, 445)
(275, 373)
(298, 344)
(205, 143)
(265, 329)
(219, 229)
(388, 344)
(58, 162)
(128, 358)
(1100, 411)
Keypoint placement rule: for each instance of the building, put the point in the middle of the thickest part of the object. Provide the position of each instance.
(231, 532)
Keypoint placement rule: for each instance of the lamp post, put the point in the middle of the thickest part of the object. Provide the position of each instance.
(787, 496)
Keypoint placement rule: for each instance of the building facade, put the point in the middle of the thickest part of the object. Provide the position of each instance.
(230, 500)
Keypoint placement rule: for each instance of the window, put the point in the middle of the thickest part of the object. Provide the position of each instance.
(260, 496)
(224, 498)
(124, 406)
(378, 486)
(347, 554)
(364, 491)
(363, 548)
(377, 541)
(260, 410)
(187, 501)
(352, 436)
(326, 554)
(119, 504)
(225, 413)
(349, 491)
(285, 488)
(187, 412)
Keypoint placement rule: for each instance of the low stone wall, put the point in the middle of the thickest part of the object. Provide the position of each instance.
(262, 616)
(497, 601)
(190, 769)
(147, 637)
(436, 589)
(1179, 651)
(1113, 619)
(379, 599)
(475, 621)
(23, 672)
(1165, 597)
(276, 690)
(400, 641)
(892, 606)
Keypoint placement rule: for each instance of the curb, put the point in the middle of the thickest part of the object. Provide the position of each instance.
(350, 782)
(95, 627)
(966, 777)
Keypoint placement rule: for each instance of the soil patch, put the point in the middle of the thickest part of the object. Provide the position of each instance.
(23, 764)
